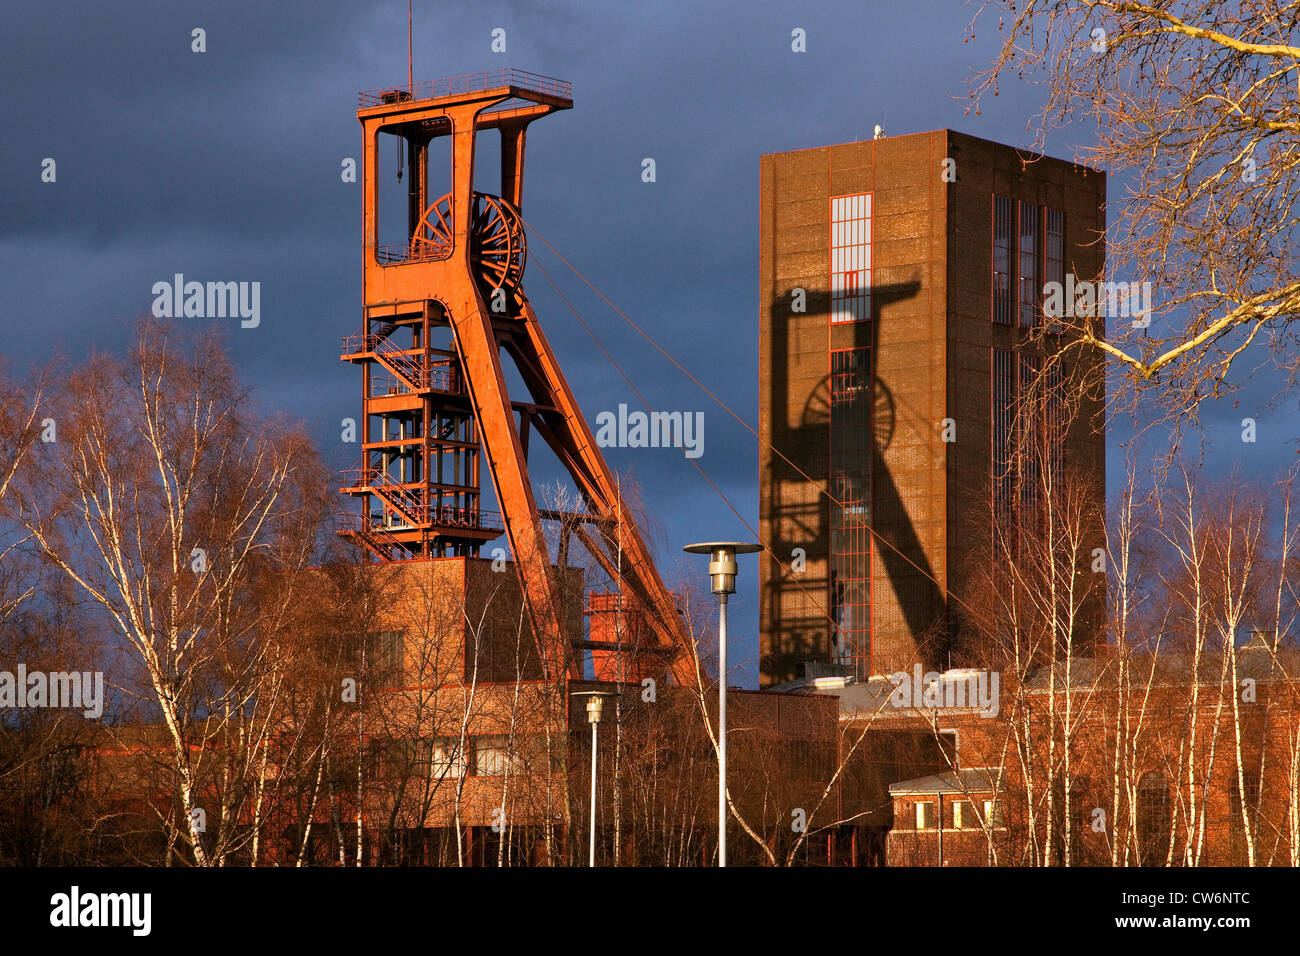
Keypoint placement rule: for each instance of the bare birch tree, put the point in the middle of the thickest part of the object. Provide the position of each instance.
(168, 502)
(1193, 105)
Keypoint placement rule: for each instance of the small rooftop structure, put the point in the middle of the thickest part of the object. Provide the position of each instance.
(972, 780)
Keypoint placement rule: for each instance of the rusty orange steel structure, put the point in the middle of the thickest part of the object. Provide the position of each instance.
(438, 312)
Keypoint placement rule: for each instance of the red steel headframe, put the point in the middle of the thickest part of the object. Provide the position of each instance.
(459, 272)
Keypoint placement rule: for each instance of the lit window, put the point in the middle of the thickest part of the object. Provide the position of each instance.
(491, 756)
(443, 757)
(851, 258)
(993, 813)
(960, 816)
(925, 815)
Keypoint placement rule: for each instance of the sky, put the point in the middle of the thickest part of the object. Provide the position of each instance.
(225, 165)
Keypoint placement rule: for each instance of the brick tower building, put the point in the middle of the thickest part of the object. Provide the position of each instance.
(901, 286)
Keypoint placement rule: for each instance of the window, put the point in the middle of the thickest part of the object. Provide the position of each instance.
(1252, 796)
(390, 758)
(442, 757)
(1080, 796)
(962, 816)
(1055, 416)
(1055, 249)
(1029, 429)
(1153, 819)
(1003, 242)
(1252, 809)
(851, 258)
(993, 813)
(1029, 245)
(1004, 410)
(501, 650)
(1029, 285)
(850, 474)
(947, 741)
(1028, 437)
(925, 815)
(1030, 449)
(492, 756)
(384, 651)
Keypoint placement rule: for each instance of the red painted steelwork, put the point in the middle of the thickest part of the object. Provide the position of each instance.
(458, 278)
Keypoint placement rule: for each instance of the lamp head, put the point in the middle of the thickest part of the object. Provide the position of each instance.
(595, 703)
(722, 561)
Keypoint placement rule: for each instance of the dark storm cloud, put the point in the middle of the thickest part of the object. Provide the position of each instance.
(225, 165)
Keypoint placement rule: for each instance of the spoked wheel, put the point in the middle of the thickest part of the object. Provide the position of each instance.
(497, 248)
(433, 236)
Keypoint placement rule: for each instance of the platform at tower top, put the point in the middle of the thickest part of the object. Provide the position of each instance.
(519, 80)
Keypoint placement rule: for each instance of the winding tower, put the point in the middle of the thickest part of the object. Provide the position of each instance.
(440, 310)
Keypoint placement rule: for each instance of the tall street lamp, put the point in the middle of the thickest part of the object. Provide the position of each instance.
(595, 710)
(722, 576)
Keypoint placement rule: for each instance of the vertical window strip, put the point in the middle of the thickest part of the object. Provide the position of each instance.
(1055, 390)
(1004, 387)
(1055, 247)
(850, 473)
(1030, 214)
(1031, 437)
(851, 258)
(1003, 250)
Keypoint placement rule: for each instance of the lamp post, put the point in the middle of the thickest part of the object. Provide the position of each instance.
(722, 578)
(595, 710)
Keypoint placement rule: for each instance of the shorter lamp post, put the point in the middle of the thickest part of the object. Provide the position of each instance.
(722, 579)
(595, 710)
